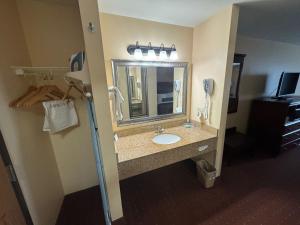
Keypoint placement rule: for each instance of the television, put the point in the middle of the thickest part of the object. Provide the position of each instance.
(287, 84)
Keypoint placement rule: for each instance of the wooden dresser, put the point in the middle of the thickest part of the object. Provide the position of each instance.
(275, 123)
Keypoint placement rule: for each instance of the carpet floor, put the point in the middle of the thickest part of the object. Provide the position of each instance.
(259, 191)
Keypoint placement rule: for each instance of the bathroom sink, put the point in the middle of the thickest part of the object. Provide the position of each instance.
(166, 139)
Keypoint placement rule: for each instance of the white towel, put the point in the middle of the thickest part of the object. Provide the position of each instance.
(59, 115)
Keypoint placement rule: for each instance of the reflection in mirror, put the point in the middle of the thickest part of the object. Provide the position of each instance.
(151, 90)
(234, 79)
(136, 81)
(235, 82)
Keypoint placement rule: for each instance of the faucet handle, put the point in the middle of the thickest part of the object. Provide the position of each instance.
(159, 129)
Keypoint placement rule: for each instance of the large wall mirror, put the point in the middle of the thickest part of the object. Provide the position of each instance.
(151, 90)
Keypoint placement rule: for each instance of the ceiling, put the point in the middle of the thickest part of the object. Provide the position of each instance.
(277, 20)
(180, 12)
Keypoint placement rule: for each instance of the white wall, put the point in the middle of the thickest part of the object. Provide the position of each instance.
(29, 148)
(264, 63)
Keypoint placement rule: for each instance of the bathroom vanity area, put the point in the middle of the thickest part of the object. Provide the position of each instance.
(147, 97)
(137, 153)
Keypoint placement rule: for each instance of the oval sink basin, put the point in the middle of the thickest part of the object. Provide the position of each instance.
(166, 139)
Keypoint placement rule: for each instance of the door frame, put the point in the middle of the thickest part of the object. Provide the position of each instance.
(14, 181)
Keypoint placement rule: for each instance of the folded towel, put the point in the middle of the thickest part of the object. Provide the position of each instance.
(59, 115)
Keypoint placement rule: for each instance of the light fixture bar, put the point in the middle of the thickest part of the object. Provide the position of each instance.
(144, 48)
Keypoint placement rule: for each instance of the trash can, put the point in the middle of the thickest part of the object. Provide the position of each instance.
(206, 173)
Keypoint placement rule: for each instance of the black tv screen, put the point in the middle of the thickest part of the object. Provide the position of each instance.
(287, 84)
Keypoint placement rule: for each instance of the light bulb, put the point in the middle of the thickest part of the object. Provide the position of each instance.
(151, 54)
(138, 54)
(163, 55)
(173, 55)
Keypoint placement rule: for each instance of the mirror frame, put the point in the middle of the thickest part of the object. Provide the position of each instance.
(120, 62)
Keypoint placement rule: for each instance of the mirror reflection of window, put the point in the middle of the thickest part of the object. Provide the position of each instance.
(135, 83)
(137, 92)
(151, 90)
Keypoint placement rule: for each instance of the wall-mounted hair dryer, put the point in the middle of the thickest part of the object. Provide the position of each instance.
(208, 85)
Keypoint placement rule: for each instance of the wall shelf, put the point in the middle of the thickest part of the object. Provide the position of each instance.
(46, 72)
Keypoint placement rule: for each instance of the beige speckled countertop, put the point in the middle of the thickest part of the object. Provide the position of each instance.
(140, 145)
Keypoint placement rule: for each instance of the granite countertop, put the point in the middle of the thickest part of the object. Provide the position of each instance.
(140, 145)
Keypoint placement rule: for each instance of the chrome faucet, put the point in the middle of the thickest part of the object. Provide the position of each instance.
(159, 129)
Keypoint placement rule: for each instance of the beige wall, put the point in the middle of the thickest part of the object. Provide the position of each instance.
(264, 63)
(29, 148)
(89, 11)
(53, 32)
(118, 32)
(213, 49)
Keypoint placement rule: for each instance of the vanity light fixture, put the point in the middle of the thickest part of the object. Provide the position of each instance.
(151, 53)
(173, 55)
(163, 53)
(138, 54)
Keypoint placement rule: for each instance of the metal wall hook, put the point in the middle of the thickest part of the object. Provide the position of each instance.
(91, 27)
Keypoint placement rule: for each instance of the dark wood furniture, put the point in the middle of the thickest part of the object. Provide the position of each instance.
(237, 70)
(275, 123)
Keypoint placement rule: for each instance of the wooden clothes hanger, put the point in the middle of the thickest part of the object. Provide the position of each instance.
(20, 103)
(36, 95)
(30, 90)
(48, 92)
(55, 92)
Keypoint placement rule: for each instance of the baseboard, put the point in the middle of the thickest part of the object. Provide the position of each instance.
(120, 221)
